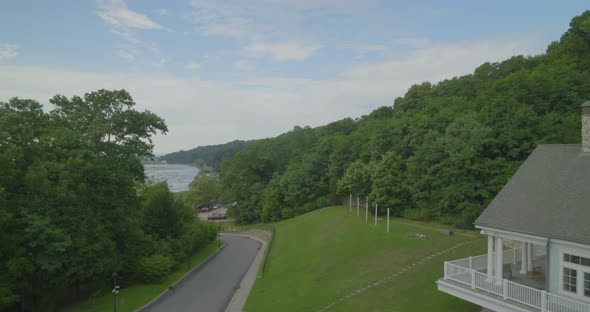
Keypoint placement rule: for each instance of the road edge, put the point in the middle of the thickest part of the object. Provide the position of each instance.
(238, 300)
(180, 280)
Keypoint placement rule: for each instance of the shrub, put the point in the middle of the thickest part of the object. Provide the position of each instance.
(420, 214)
(154, 268)
(212, 231)
(448, 220)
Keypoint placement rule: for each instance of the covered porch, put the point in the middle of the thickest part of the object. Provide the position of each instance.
(517, 277)
(535, 278)
(511, 267)
(526, 263)
(467, 278)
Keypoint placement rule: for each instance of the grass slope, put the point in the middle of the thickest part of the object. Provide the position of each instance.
(136, 296)
(320, 257)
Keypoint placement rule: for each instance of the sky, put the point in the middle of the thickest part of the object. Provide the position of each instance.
(218, 71)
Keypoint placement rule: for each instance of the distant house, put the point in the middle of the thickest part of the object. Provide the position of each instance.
(545, 209)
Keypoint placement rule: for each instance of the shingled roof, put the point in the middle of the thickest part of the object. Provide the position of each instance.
(548, 196)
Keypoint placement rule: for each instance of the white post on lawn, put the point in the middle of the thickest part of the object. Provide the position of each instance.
(499, 258)
(357, 205)
(490, 256)
(367, 211)
(387, 220)
(375, 214)
(523, 260)
(350, 203)
(529, 257)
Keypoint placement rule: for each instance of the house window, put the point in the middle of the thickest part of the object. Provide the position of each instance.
(576, 259)
(586, 284)
(570, 280)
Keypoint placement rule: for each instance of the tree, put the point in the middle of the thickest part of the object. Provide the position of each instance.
(206, 191)
(68, 192)
(357, 179)
(163, 215)
(389, 187)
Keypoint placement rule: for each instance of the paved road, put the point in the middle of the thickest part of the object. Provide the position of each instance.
(211, 287)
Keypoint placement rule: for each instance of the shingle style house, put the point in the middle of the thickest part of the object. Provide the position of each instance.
(548, 196)
(545, 209)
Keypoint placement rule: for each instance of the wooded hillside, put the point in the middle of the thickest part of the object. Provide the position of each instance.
(210, 156)
(442, 151)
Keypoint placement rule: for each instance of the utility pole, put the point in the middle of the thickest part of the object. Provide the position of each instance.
(357, 205)
(115, 291)
(387, 219)
(218, 237)
(350, 203)
(188, 268)
(367, 210)
(375, 214)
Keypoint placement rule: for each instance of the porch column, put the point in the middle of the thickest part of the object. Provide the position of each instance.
(533, 252)
(529, 257)
(490, 256)
(499, 258)
(523, 260)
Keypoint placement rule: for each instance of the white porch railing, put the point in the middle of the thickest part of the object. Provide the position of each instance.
(479, 263)
(468, 271)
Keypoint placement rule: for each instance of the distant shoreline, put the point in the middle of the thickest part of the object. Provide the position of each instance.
(156, 168)
(165, 166)
(178, 176)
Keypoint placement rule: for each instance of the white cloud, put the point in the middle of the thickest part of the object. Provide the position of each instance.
(438, 61)
(193, 65)
(8, 51)
(214, 19)
(124, 22)
(161, 12)
(244, 65)
(200, 112)
(269, 27)
(265, 19)
(417, 43)
(126, 55)
(284, 51)
(234, 27)
(163, 61)
(117, 15)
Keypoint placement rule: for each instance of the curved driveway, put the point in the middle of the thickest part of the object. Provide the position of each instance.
(212, 285)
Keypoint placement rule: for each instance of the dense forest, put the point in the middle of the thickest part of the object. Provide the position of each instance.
(442, 151)
(207, 156)
(74, 205)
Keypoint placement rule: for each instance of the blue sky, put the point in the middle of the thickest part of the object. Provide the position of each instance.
(224, 70)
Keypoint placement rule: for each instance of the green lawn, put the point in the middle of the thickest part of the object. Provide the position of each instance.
(327, 254)
(136, 296)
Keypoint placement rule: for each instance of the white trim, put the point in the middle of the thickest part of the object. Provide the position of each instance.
(475, 297)
(572, 244)
(539, 240)
(580, 270)
(530, 256)
(457, 274)
(499, 272)
(523, 260)
(490, 256)
(578, 250)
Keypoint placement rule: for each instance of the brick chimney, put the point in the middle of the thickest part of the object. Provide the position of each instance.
(586, 127)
